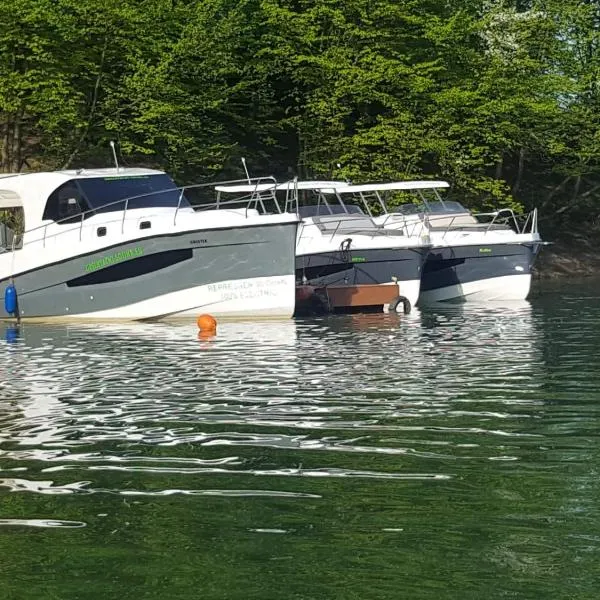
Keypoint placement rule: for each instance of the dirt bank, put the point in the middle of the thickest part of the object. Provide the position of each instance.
(573, 258)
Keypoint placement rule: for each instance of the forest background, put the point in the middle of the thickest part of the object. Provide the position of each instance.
(500, 98)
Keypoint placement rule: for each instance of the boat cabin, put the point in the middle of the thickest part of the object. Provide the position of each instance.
(33, 201)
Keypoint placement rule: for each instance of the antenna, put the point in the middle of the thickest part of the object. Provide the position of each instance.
(112, 145)
(246, 169)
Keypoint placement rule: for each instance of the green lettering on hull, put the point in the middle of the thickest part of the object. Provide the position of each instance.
(113, 259)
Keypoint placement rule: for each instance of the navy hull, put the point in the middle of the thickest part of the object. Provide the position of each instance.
(357, 267)
(449, 272)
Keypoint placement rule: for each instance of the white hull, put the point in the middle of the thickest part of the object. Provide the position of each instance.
(266, 297)
(506, 288)
(410, 290)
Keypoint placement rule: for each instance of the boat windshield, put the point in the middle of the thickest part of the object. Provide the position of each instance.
(145, 191)
(445, 207)
(408, 209)
(313, 210)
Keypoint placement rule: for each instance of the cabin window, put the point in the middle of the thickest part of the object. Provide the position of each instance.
(133, 268)
(66, 204)
(141, 191)
(94, 195)
(12, 226)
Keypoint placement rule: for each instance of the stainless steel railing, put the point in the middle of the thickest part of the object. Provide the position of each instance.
(81, 217)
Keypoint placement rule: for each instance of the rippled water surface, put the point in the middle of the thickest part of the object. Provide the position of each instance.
(450, 453)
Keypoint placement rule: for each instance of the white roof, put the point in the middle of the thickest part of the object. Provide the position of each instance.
(395, 185)
(272, 187)
(330, 187)
(313, 185)
(246, 188)
(86, 173)
(9, 199)
(31, 190)
(112, 172)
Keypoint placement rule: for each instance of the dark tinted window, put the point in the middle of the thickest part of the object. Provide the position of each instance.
(68, 201)
(65, 204)
(133, 268)
(142, 191)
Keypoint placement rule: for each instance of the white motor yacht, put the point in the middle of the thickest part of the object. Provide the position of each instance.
(125, 243)
(475, 257)
(339, 244)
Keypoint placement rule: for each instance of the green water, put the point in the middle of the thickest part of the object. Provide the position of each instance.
(452, 453)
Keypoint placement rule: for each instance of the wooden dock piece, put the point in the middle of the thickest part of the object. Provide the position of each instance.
(341, 296)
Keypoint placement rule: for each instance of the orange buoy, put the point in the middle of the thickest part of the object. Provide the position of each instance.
(207, 324)
(206, 336)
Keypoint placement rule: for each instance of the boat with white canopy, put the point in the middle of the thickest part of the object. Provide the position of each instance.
(476, 257)
(339, 244)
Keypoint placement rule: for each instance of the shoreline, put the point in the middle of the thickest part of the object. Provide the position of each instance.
(562, 260)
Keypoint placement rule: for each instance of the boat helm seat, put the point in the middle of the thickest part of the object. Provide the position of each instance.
(357, 224)
(69, 202)
(313, 210)
(452, 221)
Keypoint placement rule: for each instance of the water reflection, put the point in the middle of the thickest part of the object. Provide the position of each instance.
(62, 377)
(341, 384)
(40, 523)
(436, 453)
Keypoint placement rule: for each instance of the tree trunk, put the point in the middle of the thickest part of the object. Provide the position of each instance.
(5, 156)
(519, 178)
(499, 167)
(553, 192)
(576, 188)
(17, 144)
(301, 166)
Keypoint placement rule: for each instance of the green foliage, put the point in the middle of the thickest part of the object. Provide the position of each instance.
(500, 98)
(13, 218)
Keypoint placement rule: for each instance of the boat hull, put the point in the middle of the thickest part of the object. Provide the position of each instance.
(364, 267)
(477, 273)
(229, 272)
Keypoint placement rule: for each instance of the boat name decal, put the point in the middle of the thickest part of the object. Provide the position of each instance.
(121, 177)
(112, 259)
(485, 250)
(356, 259)
(248, 289)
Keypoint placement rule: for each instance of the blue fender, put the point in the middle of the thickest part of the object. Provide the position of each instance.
(10, 299)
